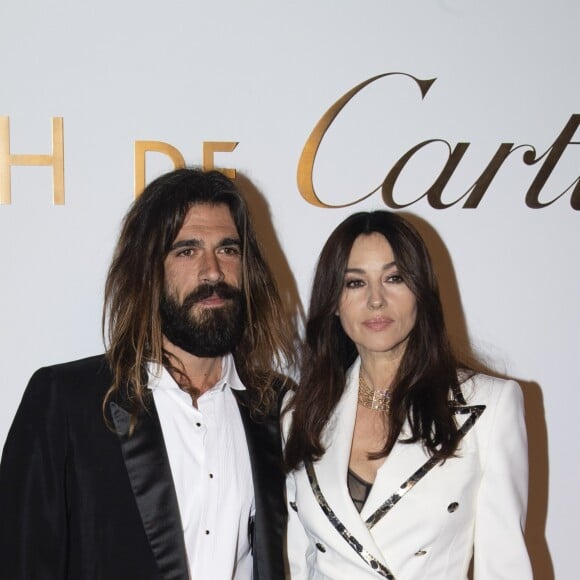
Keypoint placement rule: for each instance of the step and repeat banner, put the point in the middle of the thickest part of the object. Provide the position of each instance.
(462, 114)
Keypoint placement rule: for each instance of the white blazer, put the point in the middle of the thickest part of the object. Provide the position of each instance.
(430, 520)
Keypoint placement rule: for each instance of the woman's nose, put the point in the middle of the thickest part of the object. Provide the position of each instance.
(376, 297)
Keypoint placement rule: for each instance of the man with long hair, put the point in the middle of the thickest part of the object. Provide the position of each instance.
(160, 459)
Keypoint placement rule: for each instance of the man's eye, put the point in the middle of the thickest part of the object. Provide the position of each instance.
(186, 252)
(231, 251)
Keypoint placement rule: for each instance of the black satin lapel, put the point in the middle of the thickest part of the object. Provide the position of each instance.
(150, 475)
(265, 448)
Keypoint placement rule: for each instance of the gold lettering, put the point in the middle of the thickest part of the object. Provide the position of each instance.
(552, 156)
(473, 195)
(478, 189)
(308, 156)
(56, 159)
(434, 194)
(141, 148)
(209, 148)
(212, 147)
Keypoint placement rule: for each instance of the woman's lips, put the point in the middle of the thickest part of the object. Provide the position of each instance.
(378, 324)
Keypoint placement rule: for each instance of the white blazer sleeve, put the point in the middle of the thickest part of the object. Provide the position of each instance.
(500, 552)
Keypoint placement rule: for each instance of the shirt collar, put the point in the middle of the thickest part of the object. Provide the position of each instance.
(160, 378)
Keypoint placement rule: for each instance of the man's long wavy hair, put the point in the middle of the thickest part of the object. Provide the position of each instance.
(135, 285)
(428, 369)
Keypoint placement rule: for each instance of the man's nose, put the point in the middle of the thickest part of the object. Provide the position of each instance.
(211, 270)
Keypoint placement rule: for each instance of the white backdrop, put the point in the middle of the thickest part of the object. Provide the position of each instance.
(262, 73)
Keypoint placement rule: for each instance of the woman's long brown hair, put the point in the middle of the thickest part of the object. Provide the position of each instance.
(428, 370)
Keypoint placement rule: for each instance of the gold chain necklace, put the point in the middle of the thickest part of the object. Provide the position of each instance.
(371, 398)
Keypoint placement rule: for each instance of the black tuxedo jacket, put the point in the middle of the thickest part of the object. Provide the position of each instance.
(79, 501)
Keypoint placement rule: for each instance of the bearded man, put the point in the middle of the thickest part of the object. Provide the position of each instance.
(160, 459)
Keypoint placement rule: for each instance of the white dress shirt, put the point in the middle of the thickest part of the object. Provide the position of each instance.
(211, 470)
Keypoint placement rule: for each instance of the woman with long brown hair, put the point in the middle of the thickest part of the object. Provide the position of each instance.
(402, 462)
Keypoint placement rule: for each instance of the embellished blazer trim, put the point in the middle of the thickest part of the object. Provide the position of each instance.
(380, 568)
(458, 408)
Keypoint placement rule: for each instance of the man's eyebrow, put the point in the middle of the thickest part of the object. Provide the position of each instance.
(230, 242)
(189, 243)
(196, 243)
(387, 266)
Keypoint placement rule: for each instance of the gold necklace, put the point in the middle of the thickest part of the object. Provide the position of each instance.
(371, 398)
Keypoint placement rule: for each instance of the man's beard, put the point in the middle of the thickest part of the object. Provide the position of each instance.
(205, 332)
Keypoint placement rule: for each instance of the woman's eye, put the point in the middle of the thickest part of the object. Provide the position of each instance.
(354, 283)
(395, 279)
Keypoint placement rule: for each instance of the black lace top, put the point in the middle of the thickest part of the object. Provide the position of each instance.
(358, 489)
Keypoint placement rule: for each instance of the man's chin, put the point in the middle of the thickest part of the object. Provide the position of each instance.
(213, 304)
(200, 311)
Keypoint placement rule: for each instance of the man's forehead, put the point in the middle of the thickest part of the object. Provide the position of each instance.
(205, 218)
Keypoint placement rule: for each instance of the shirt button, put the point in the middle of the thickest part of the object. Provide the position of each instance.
(294, 506)
(211, 475)
(321, 547)
(207, 532)
(198, 424)
(452, 507)
(420, 552)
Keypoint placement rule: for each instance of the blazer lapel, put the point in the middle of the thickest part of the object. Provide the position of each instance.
(402, 462)
(152, 483)
(408, 464)
(332, 469)
(331, 476)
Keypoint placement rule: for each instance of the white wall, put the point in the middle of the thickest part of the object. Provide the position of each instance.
(262, 73)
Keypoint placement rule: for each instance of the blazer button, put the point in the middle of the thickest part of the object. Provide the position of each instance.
(320, 547)
(452, 507)
(420, 552)
(294, 506)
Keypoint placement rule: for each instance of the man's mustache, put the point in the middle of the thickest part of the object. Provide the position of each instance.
(203, 291)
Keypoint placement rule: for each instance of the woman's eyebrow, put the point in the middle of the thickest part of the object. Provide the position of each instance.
(362, 270)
